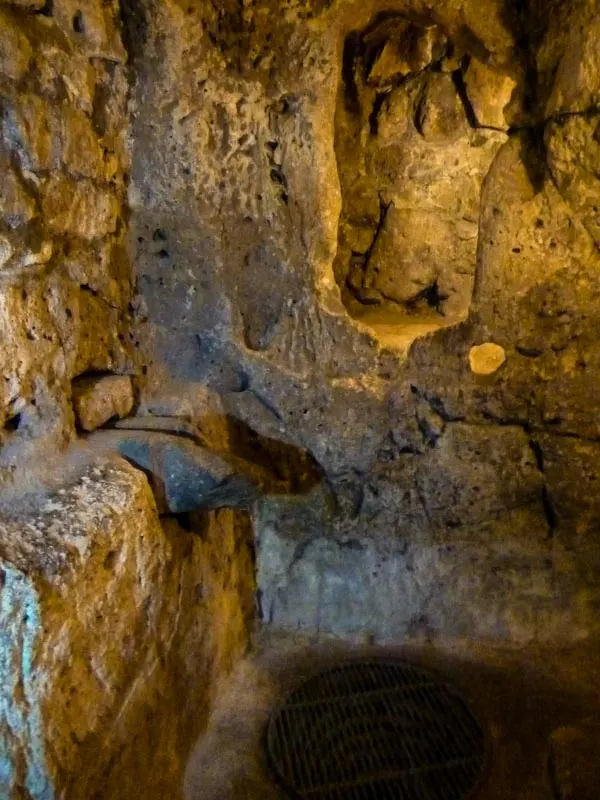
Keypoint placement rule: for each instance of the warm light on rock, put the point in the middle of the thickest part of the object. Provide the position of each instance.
(486, 359)
(257, 241)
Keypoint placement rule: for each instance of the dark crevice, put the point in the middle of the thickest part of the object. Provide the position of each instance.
(547, 504)
(437, 404)
(47, 10)
(374, 115)
(383, 211)
(13, 423)
(134, 27)
(533, 156)
(528, 352)
(266, 404)
(549, 511)
(293, 466)
(430, 435)
(538, 453)
(432, 296)
(461, 90)
(504, 422)
(85, 287)
(349, 61)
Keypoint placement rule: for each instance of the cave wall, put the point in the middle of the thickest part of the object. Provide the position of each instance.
(118, 620)
(205, 209)
(459, 481)
(66, 276)
(116, 629)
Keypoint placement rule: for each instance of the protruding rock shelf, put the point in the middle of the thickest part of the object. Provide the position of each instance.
(185, 476)
(396, 330)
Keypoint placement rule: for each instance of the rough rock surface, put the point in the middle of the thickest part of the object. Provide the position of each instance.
(282, 174)
(185, 476)
(65, 275)
(365, 163)
(105, 617)
(97, 399)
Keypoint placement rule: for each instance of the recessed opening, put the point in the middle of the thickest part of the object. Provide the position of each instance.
(78, 25)
(411, 159)
(13, 423)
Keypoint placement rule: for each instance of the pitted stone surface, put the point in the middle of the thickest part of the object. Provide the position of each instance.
(97, 399)
(328, 203)
(102, 615)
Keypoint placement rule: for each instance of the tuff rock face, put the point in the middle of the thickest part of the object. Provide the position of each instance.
(105, 616)
(333, 260)
(393, 190)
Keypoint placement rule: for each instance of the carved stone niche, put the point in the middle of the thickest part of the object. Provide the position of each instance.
(418, 123)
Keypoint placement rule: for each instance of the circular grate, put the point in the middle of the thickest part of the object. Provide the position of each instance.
(375, 730)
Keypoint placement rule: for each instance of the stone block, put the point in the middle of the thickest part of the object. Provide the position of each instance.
(489, 93)
(76, 621)
(96, 399)
(105, 619)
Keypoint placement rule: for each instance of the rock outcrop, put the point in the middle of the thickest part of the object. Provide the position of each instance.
(105, 616)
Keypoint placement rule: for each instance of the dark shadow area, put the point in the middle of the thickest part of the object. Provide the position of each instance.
(291, 465)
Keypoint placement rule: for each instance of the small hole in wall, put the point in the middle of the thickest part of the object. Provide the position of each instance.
(111, 560)
(13, 423)
(78, 25)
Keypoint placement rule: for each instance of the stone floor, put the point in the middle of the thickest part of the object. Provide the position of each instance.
(519, 695)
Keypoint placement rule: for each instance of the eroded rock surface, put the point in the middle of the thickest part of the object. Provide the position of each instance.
(97, 399)
(329, 204)
(436, 166)
(65, 277)
(412, 156)
(105, 616)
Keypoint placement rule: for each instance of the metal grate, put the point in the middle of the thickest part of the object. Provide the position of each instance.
(372, 730)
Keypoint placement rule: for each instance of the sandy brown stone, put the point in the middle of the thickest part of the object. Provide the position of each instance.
(486, 359)
(97, 399)
(106, 615)
(16, 50)
(326, 213)
(489, 93)
(79, 208)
